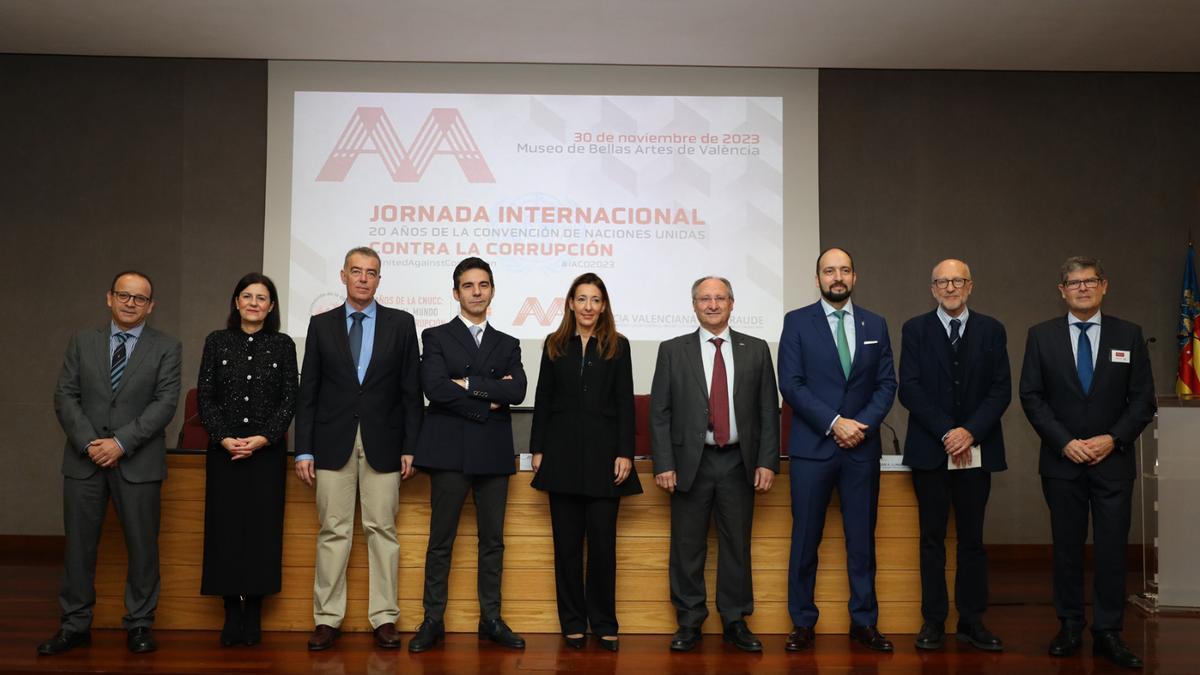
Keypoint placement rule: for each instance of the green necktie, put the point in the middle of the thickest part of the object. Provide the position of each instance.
(843, 345)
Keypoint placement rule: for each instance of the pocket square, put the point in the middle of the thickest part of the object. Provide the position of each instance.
(870, 342)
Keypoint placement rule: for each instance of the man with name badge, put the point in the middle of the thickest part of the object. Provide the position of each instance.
(1087, 389)
(835, 371)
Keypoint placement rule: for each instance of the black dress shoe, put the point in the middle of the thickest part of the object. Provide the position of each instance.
(870, 638)
(141, 640)
(738, 634)
(497, 631)
(64, 641)
(799, 639)
(611, 645)
(1110, 646)
(931, 636)
(575, 642)
(980, 638)
(686, 638)
(429, 633)
(1066, 642)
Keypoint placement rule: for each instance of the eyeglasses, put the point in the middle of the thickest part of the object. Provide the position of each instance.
(1076, 284)
(958, 282)
(123, 297)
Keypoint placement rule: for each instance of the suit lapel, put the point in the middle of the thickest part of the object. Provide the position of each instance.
(103, 360)
(144, 344)
(696, 362)
(860, 336)
(487, 343)
(1103, 356)
(821, 326)
(341, 338)
(1064, 354)
(738, 347)
(382, 341)
(934, 328)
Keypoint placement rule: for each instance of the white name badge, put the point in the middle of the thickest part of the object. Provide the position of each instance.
(1120, 356)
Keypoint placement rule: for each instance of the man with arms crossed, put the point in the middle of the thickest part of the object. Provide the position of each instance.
(471, 373)
(116, 394)
(1087, 389)
(714, 429)
(955, 382)
(357, 418)
(835, 371)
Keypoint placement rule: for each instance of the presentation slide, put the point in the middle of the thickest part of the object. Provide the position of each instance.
(636, 189)
(649, 177)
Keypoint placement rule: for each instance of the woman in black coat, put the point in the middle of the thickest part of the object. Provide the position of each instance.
(247, 396)
(582, 444)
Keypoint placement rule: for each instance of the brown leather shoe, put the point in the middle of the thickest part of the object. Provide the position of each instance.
(386, 636)
(323, 638)
(799, 639)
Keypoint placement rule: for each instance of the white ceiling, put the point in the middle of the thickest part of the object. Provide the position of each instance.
(1117, 35)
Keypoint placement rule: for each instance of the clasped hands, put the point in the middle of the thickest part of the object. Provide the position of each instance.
(104, 452)
(958, 442)
(1089, 450)
(241, 448)
(848, 433)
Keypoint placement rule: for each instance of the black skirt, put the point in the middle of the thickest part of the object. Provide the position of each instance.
(243, 521)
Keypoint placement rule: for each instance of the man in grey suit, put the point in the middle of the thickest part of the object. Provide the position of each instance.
(116, 394)
(711, 454)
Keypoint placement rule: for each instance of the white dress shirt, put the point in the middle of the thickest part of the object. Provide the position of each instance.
(708, 352)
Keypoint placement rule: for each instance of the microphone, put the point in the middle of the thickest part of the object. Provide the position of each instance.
(895, 438)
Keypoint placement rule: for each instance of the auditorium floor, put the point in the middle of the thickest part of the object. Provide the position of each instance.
(1021, 614)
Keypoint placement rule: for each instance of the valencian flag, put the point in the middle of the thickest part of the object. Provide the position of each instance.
(1188, 381)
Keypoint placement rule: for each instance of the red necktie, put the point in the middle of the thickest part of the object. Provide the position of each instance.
(718, 398)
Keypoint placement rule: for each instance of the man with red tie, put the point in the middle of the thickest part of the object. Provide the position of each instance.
(714, 425)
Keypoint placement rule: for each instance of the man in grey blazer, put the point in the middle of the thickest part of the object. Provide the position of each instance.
(714, 430)
(116, 394)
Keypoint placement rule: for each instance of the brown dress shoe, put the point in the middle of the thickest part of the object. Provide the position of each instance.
(386, 636)
(323, 638)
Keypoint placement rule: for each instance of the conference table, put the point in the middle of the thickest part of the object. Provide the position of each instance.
(643, 596)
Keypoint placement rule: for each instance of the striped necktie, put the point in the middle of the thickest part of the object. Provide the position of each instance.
(118, 360)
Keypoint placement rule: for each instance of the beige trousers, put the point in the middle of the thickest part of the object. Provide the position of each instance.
(379, 497)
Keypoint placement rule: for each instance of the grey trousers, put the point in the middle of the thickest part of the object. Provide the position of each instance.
(85, 502)
(720, 485)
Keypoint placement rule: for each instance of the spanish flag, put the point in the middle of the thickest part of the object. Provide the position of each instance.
(1187, 384)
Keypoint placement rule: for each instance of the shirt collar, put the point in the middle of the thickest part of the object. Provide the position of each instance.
(945, 318)
(468, 324)
(706, 335)
(135, 332)
(1094, 319)
(828, 308)
(369, 310)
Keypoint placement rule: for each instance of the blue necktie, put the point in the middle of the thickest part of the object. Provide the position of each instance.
(118, 360)
(356, 336)
(1083, 357)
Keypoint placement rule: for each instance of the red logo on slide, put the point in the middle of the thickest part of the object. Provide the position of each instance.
(533, 308)
(370, 132)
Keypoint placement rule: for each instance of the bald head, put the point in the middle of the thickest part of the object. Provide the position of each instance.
(951, 285)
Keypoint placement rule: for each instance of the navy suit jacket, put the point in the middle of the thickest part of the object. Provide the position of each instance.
(1121, 401)
(813, 384)
(332, 403)
(461, 432)
(927, 388)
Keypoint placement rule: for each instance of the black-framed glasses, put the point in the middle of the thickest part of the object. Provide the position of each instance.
(957, 282)
(1076, 284)
(123, 297)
